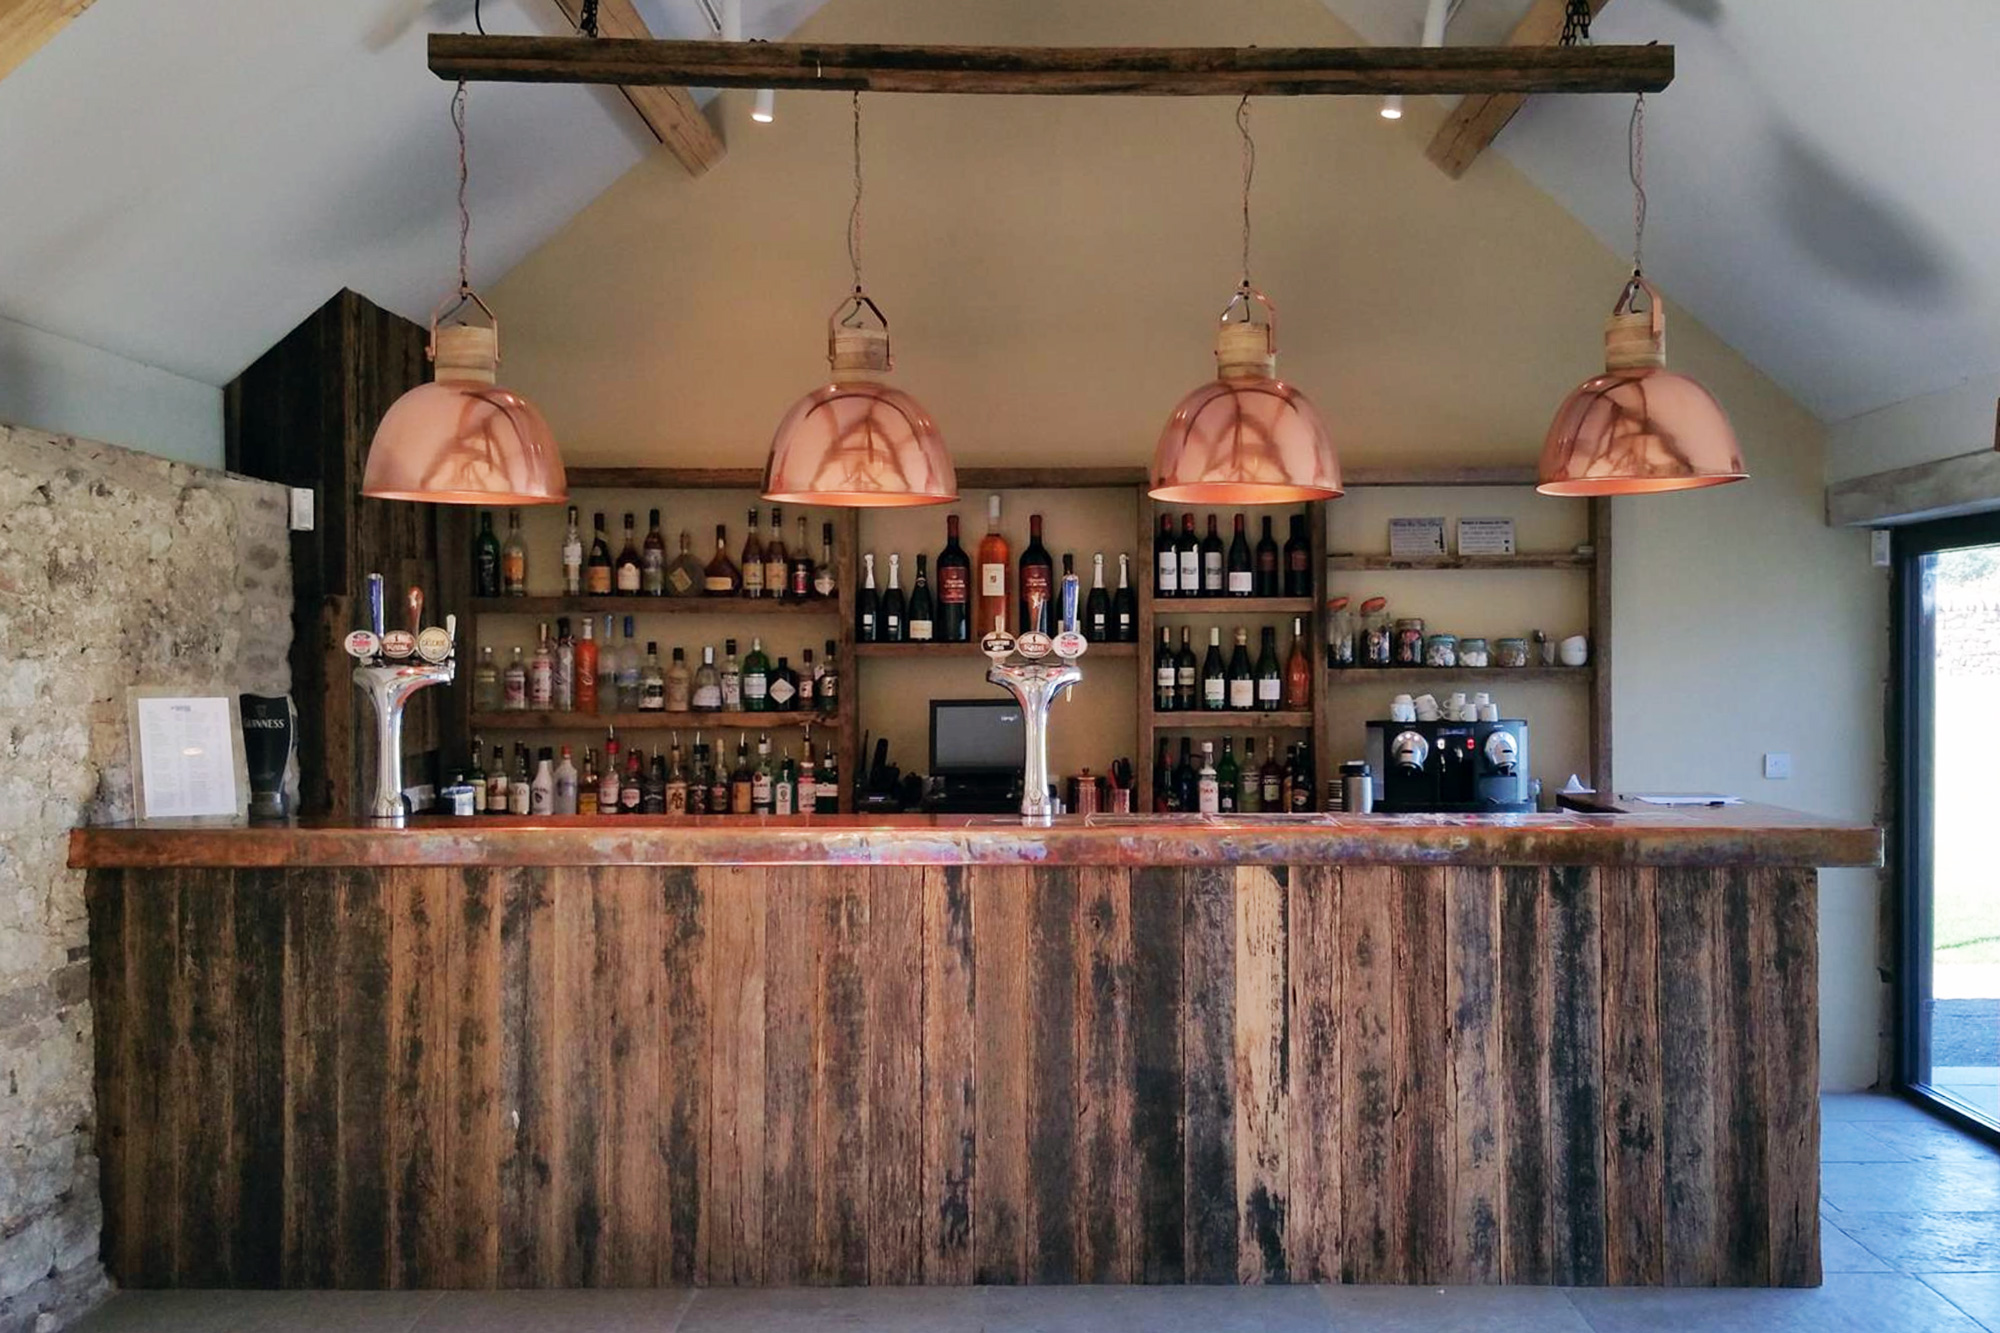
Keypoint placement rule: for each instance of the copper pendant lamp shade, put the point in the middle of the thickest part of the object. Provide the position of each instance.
(1246, 437)
(1639, 428)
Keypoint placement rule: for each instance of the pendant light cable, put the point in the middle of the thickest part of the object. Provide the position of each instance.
(1249, 174)
(464, 211)
(854, 214)
(1636, 168)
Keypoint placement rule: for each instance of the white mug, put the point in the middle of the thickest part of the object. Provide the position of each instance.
(1575, 650)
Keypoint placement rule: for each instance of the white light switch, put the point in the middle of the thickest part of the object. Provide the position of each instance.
(302, 509)
(1777, 766)
(1880, 550)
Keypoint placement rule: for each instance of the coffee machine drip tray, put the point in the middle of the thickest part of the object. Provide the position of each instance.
(1451, 768)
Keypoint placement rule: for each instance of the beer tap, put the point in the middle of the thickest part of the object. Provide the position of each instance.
(391, 666)
(1035, 685)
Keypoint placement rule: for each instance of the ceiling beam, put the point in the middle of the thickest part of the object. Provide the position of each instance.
(26, 25)
(1480, 117)
(669, 112)
(1162, 71)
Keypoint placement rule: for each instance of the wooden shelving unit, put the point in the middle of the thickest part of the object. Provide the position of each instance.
(1582, 675)
(654, 606)
(1231, 719)
(1232, 606)
(970, 651)
(1545, 560)
(517, 720)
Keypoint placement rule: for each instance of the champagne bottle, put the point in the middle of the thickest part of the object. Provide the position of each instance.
(893, 627)
(922, 619)
(867, 606)
(1097, 609)
(1125, 604)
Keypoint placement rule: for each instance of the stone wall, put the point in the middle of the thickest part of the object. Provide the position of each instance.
(116, 569)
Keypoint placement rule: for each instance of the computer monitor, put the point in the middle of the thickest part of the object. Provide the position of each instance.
(977, 736)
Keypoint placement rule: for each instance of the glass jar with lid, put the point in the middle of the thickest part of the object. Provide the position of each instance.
(1410, 642)
(1511, 653)
(1339, 635)
(1376, 642)
(1441, 650)
(1472, 653)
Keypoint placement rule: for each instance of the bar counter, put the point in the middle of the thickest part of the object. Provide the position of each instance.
(1572, 1049)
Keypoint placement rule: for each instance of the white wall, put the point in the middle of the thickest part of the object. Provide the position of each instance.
(1953, 421)
(64, 387)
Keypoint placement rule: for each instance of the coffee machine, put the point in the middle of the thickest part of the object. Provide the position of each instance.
(1471, 768)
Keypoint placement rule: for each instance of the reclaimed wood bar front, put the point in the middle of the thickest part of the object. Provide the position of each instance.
(1550, 1049)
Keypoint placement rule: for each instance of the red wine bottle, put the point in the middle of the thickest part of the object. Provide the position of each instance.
(954, 587)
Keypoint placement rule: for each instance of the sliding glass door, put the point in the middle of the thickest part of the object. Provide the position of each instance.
(1948, 820)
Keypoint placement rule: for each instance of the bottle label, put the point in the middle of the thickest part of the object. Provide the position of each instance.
(1169, 572)
(1163, 680)
(653, 577)
(739, 797)
(806, 687)
(677, 798)
(1124, 626)
(517, 689)
(1211, 569)
(753, 580)
(707, 698)
(598, 581)
(629, 797)
(781, 799)
(1036, 580)
(823, 583)
(893, 625)
(653, 695)
(802, 582)
(1241, 582)
(920, 631)
(1215, 691)
(514, 568)
(756, 686)
(541, 684)
(607, 793)
(993, 580)
(541, 800)
(775, 581)
(867, 624)
(1211, 795)
(1267, 691)
(732, 690)
(1184, 676)
(760, 790)
(572, 563)
(720, 583)
(628, 578)
(679, 581)
(954, 585)
(1190, 572)
(782, 692)
(1242, 693)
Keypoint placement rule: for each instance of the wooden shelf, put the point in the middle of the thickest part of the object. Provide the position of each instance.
(1530, 560)
(650, 721)
(1232, 606)
(1420, 675)
(1224, 719)
(970, 651)
(653, 606)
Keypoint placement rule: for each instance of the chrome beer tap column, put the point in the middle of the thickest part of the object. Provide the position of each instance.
(392, 666)
(1036, 685)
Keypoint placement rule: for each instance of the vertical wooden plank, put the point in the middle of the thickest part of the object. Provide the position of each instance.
(257, 1074)
(1791, 1071)
(1420, 1039)
(840, 1082)
(419, 1050)
(684, 987)
(153, 1159)
(1263, 1080)
(533, 1092)
(473, 1153)
(626, 952)
(1209, 1097)
(1634, 1156)
(200, 1073)
(894, 977)
(950, 1101)
(112, 1009)
(1371, 1206)
(1313, 1134)
(737, 899)
(1687, 901)
(1576, 1077)
(311, 1082)
(1052, 1076)
(1158, 1141)
(1742, 1131)
(363, 997)
(1527, 1247)
(791, 1135)
(1107, 1222)
(1472, 934)
(580, 1125)
(1000, 1057)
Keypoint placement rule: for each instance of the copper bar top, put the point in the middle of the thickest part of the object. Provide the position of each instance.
(1742, 835)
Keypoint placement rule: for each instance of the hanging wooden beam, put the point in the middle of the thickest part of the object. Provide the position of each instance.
(27, 25)
(669, 113)
(1480, 117)
(1158, 71)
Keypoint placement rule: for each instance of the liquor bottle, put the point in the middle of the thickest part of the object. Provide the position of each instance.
(826, 579)
(475, 777)
(892, 603)
(586, 784)
(697, 778)
(922, 623)
(1187, 677)
(542, 673)
(828, 690)
(514, 684)
(782, 692)
(756, 679)
(742, 779)
(653, 787)
(753, 559)
(732, 678)
(1298, 668)
(1097, 609)
(520, 787)
(1270, 677)
(1242, 678)
(486, 682)
(652, 681)
(685, 576)
(721, 782)
(653, 560)
(1208, 784)
(801, 586)
(1038, 582)
(706, 694)
(784, 784)
(1166, 560)
(1166, 695)
(1214, 674)
(677, 782)
(721, 578)
(680, 684)
(1124, 605)
(486, 558)
(1163, 779)
(631, 680)
(597, 570)
(586, 669)
(991, 609)
(496, 783)
(629, 575)
(827, 801)
(1187, 783)
(1268, 581)
(808, 677)
(1189, 551)
(806, 799)
(762, 778)
(1273, 794)
(868, 606)
(1242, 568)
(572, 557)
(608, 658)
(1303, 782)
(607, 780)
(542, 787)
(631, 792)
(1227, 776)
(514, 559)
(1250, 780)
(777, 569)
(564, 696)
(566, 778)
(1213, 580)
(1298, 560)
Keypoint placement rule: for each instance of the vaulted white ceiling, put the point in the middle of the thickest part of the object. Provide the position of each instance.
(185, 181)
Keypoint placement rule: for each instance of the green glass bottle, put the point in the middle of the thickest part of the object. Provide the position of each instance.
(756, 679)
(1227, 776)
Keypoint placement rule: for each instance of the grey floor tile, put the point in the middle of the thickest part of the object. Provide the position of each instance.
(1978, 1294)
(1153, 1310)
(1911, 1187)
(1452, 1310)
(1848, 1303)
(1870, 1106)
(1932, 1141)
(258, 1312)
(1857, 1141)
(810, 1310)
(556, 1311)
(1841, 1253)
(1930, 1242)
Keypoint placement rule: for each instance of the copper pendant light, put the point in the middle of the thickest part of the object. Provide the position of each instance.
(855, 442)
(1246, 437)
(462, 439)
(1639, 428)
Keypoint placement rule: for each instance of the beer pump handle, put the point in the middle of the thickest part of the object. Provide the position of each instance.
(376, 621)
(1071, 587)
(415, 602)
(451, 628)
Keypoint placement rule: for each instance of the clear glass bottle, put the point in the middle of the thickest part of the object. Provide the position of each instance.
(826, 579)
(680, 683)
(542, 673)
(514, 559)
(685, 575)
(564, 697)
(652, 681)
(486, 682)
(572, 557)
(629, 663)
(514, 690)
(732, 678)
(706, 694)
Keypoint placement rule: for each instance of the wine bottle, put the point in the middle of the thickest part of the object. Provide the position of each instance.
(1166, 694)
(1298, 560)
(1242, 678)
(1214, 673)
(721, 578)
(1038, 583)
(1270, 681)
(653, 560)
(777, 568)
(1213, 580)
(893, 610)
(922, 622)
(1227, 776)
(1242, 572)
(801, 584)
(1189, 551)
(954, 587)
(752, 559)
(1250, 780)
(1163, 779)
(1268, 581)
(826, 579)
(1166, 560)
(992, 604)
(486, 557)
(867, 606)
(1187, 676)
(1298, 669)
(1124, 605)
(1186, 783)
(629, 574)
(597, 569)
(1097, 610)
(1273, 794)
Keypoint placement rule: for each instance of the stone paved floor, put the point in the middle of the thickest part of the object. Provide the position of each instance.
(1911, 1245)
